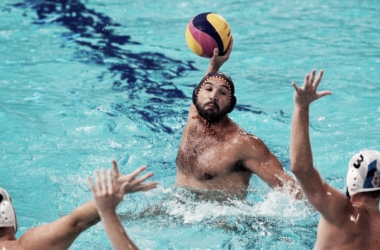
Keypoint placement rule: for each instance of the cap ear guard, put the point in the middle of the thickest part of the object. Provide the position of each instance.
(232, 104)
(7, 212)
(195, 94)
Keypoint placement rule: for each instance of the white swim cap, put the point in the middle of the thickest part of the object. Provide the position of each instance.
(7, 212)
(364, 172)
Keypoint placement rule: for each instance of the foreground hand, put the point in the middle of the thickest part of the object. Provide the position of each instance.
(106, 196)
(129, 183)
(308, 92)
(109, 194)
(217, 61)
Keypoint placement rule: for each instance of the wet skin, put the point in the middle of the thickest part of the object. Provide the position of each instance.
(224, 161)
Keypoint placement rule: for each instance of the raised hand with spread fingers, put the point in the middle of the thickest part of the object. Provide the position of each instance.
(109, 193)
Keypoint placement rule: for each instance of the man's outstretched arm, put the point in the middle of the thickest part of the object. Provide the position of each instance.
(61, 233)
(326, 199)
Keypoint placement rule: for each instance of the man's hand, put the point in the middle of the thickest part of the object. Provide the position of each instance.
(217, 61)
(131, 184)
(308, 92)
(109, 194)
(106, 196)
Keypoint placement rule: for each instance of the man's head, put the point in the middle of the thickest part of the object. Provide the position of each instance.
(214, 96)
(7, 212)
(364, 172)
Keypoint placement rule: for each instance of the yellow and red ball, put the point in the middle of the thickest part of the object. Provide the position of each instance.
(207, 31)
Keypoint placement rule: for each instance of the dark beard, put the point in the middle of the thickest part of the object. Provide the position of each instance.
(210, 116)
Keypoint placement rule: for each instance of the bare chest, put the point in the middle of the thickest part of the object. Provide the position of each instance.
(207, 156)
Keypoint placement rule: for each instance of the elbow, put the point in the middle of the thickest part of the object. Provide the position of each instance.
(296, 168)
(76, 225)
(79, 225)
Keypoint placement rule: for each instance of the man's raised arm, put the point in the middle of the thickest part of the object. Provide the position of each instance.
(214, 65)
(217, 61)
(326, 199)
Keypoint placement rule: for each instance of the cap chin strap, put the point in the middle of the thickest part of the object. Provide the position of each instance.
(208, 129)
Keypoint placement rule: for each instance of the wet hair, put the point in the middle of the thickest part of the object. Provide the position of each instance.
(219, 75)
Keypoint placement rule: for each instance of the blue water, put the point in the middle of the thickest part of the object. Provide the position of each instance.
(113, 79)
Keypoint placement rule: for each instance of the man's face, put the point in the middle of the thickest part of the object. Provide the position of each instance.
(213, 99)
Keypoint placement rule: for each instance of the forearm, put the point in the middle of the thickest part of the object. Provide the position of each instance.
(84, 217)
(291, 187)
(61, 233)
(300, 149)
(116, 232)
(212, 68)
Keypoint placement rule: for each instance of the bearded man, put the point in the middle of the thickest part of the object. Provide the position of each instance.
(217, 154)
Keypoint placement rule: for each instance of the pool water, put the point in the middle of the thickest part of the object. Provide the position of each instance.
(83, 82)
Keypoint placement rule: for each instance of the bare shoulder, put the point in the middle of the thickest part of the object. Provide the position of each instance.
(13, 245)
(248, 146)
(351, 231)
(9, 245)
(32, 239)
(250, 141)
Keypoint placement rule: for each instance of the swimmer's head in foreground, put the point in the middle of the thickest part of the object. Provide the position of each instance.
(7, 212)
(364, 173)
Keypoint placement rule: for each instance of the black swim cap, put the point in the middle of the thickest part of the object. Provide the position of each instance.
(224, 77)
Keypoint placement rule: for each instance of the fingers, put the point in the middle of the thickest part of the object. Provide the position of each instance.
(323, 93)
(311, 81)
(145, 177)
(103, 180)
(97, 179)
(147, 186)
(216, 52)
(142, 179)
(128, 183)
(306, 83)
(319, 78)
(307, 93)
(311, 77)
(295, 86)
(115, 168)
(144, 186)
(110, 181)
(229, 48)
(91, 184)
(137, 172)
